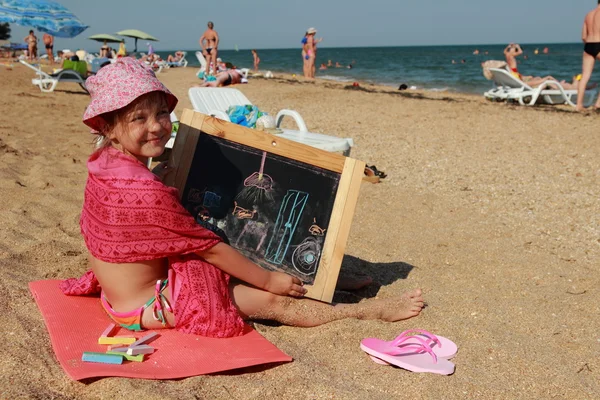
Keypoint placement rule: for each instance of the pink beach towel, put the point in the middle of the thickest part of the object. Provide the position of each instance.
(74, 324)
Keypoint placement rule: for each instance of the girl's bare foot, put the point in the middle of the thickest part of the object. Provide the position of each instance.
(394, 309)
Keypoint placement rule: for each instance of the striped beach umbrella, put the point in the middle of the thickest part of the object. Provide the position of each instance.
(43, 15)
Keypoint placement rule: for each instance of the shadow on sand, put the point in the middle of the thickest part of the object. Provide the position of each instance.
(383, 274)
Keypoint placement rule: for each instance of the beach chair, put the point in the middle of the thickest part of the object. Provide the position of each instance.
(47, 82)
(202, 62)
(510, 88)
(216, 101)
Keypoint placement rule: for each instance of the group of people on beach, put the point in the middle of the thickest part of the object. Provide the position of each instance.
(591, 51)
(32, 46)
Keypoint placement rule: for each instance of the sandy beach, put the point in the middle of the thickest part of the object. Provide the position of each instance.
(491, 209)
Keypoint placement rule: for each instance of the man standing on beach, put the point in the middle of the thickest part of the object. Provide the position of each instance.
(591, 49)
(210, 49)
(49, 43)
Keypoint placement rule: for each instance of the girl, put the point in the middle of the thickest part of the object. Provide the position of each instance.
(152, 264)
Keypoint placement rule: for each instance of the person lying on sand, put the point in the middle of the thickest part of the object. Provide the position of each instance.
(154, 266)
(226, 78)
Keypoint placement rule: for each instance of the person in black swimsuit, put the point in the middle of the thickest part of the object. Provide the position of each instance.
(591, 49)
(210, 49)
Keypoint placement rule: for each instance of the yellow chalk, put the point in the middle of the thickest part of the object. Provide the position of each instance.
(116, 340)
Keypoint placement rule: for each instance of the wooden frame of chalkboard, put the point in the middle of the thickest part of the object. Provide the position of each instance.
(293, 214)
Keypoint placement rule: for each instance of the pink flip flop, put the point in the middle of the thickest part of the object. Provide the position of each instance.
(441, 346)
(410, 342)
(415, 358)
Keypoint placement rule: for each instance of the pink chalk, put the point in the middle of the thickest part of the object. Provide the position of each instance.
(109, 331)
(144, 340)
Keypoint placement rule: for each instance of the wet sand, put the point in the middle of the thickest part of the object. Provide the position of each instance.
(491, 209)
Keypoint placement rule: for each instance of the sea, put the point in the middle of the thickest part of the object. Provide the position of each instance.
(424, 67)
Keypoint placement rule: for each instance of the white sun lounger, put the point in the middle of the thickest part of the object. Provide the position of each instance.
(509, 87)
(216, 101)
(47, 83)
(202, 62)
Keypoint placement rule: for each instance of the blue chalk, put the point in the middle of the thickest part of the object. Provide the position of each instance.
(103, 358)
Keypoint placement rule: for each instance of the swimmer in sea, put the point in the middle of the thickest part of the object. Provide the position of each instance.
(210, 50)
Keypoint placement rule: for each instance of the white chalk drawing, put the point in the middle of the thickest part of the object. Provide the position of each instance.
(254, 228)
(305, 257)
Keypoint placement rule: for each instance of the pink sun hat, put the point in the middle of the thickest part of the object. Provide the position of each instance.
(118, 85)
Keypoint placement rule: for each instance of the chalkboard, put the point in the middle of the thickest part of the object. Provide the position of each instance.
(286, 206)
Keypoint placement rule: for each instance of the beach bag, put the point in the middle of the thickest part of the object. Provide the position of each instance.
(245, 115)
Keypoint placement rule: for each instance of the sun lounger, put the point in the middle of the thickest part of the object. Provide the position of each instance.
(510, 88)
(202, 61)
(216, 101)
(47, 82)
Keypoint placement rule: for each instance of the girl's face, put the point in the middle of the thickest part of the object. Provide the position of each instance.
(143, 128)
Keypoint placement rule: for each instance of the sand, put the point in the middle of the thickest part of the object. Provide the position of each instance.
(491, 209)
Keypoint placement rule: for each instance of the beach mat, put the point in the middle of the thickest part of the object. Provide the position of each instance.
(76, 322)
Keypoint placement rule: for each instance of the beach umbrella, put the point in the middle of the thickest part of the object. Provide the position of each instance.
(43, 15)
(134, 33)
(103, 37)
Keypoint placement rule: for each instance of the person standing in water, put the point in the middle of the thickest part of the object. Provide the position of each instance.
(210, 50)
(256, 60)
(591, 39)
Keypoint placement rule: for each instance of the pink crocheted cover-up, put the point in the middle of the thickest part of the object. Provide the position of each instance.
(128, 216)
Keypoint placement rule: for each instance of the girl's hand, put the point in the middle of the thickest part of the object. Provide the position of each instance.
(285, 285)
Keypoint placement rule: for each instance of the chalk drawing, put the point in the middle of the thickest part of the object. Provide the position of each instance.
(258, 186)
(242, 213)
(315, 229)
(306, 256)
(288, 218)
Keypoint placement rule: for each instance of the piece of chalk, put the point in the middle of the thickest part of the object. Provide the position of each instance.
(109, 331)
(144, 340)
(103, 358)
(143, 349)
(138, 358)
(118, 348)
(116, 340)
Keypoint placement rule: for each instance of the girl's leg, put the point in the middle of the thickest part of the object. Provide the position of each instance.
(253, 303)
